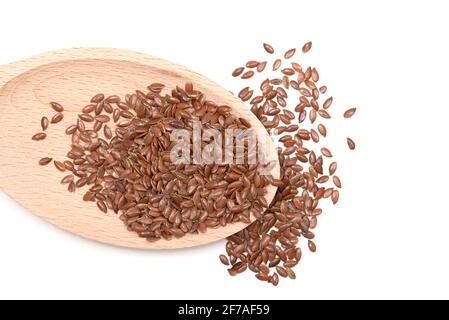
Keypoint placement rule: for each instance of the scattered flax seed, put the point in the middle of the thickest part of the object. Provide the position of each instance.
(113, 99)
(248, 74)
(322, 130)
(332, 168)
(323, 89)
(268, 48)
(307, 46)
(252, 64)
(336, 181)
(271, 242)
(71, 187)
(45, 161)
(288, 71)
(261, 66)
(44, 123)
(311, 245)
(97, 98)
(277, 64)
(275, 279)
(297, 67)
(237, 72)
(326, 152)
(290, 273)
(224, 260)
(324, 114)
(102, 206)
(315, 75)
(59, 165)
(107, 132)
(71, 129)
(335, 196)
(328, 103)
(57, 118)
(39, 136)
(351, 143)
(57, 107)
(67, 179)
(89, 108)
(156, 87)
(349, 113)
(290, 53)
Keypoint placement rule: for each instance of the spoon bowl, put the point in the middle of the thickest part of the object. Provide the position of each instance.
(71, 77)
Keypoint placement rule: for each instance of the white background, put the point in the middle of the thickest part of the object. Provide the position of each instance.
(389, 235)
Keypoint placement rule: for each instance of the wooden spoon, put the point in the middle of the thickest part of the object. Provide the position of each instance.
(71, 77)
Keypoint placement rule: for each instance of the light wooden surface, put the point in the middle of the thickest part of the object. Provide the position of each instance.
(71, 77)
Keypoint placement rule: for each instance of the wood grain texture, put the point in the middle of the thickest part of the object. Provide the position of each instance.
(71, 77)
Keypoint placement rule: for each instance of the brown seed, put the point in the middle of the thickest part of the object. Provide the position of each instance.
(67, 179)
(237, 72)
(107, 107)
(243, 92)
(311, 245)
(322, 130)
(71, 129)
(332, 168)
(44, 123)
(307, 46)
(224, 260)
(335, 196)
(290, 273)
(336, 181)
(102, 118)
(57, 118)
(277, 64)
(314, 135)
(315, 75)
(326, 152)
(71, 187)
(45, 161)
(89, 108)
(351, 143)
(275, 279)
(113, 99)
(57, 107)
(116, 114)
(248, 74)
(107, 132)
(349, 113)
(323, 89)
(156, 87)
(69, 165)
(59, 165)
(261, 66)
(102, 206)
(39, 136)
(281, 271)
(97, 98)
(297, 67)
(324, 114)
(252, 64)
(268, 48)
(86, 117)
(328, 103)
(97, 126)
(290, 53)
(288, 71)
